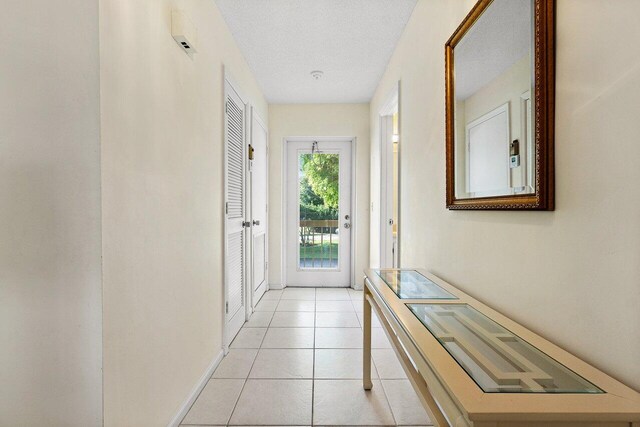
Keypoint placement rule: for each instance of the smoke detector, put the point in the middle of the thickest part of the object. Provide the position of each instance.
(317, 74)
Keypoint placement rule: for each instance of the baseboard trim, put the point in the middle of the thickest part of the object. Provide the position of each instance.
(279, 286)
(184, 408)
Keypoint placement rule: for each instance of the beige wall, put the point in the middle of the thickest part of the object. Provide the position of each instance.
(50, 285)
(162, 152)
(507, 87)
(351, 120)
(573, 274)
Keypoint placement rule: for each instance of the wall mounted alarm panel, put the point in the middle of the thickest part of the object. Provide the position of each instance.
(183, 31)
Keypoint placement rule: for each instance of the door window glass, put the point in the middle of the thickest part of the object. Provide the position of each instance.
(319, 195)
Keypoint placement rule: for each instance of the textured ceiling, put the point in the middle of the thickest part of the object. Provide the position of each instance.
(501, 37)
(283, 41)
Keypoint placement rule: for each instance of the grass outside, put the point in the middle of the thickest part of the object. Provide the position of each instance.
(318, 251)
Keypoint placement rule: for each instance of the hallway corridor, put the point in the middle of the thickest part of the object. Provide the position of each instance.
(298, 361)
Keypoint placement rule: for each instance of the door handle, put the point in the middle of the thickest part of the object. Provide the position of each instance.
(246, 224)
(256, 222)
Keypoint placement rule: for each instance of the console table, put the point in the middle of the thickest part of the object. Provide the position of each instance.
(472, 366)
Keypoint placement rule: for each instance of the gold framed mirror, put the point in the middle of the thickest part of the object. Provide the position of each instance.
(500, 95)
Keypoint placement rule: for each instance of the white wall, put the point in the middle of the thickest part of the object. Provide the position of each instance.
(50, 285)
(315, 120)
(162, 148)
(573, 274)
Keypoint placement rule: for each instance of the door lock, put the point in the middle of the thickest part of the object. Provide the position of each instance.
(256, 222)
(246, 224)
(347, 217)
(391, 222)
(347, 225)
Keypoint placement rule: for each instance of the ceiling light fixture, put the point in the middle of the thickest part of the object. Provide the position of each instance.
(317, 74)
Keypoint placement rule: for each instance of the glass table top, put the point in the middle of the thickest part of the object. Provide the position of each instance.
(496, 359)
(409, 284)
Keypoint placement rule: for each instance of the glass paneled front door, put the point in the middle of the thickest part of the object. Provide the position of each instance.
(318, 213)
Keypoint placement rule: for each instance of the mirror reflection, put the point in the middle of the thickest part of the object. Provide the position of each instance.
(494, 114)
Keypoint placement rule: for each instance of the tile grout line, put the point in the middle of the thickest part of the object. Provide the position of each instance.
(244, 384)
(245, 380)
(373, 365)
(386, 398)
(198, 397)
(314, 350)
(272, 315)
(211, 378)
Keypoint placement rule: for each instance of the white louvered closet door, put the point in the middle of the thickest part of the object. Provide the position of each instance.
(235, 185)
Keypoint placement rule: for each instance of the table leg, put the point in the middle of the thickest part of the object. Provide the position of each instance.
(366, 345)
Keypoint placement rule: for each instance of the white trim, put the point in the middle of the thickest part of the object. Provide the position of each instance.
(283, 218)
(385, 211)
(202, 382)
(399, 225)
(261, 123)
(228, 78)
(527, 161)
(354, 211)
(276, 286)
(354, 194)
(390, 107)
(392, 102)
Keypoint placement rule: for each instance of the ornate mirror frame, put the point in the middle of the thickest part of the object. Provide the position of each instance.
(544, 75)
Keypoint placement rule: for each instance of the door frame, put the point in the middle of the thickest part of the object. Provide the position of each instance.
(229, 82)
(249, 287)
(354, 197)
(390, 106)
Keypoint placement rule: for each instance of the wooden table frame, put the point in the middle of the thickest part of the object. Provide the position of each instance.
(452, 398)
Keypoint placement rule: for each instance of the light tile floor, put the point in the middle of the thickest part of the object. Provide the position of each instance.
(298, 362)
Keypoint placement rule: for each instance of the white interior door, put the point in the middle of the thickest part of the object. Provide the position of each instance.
(318, 213)
(259, 191)
(390, 181)
(235, 207)
(488, 153)
(387, 225)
